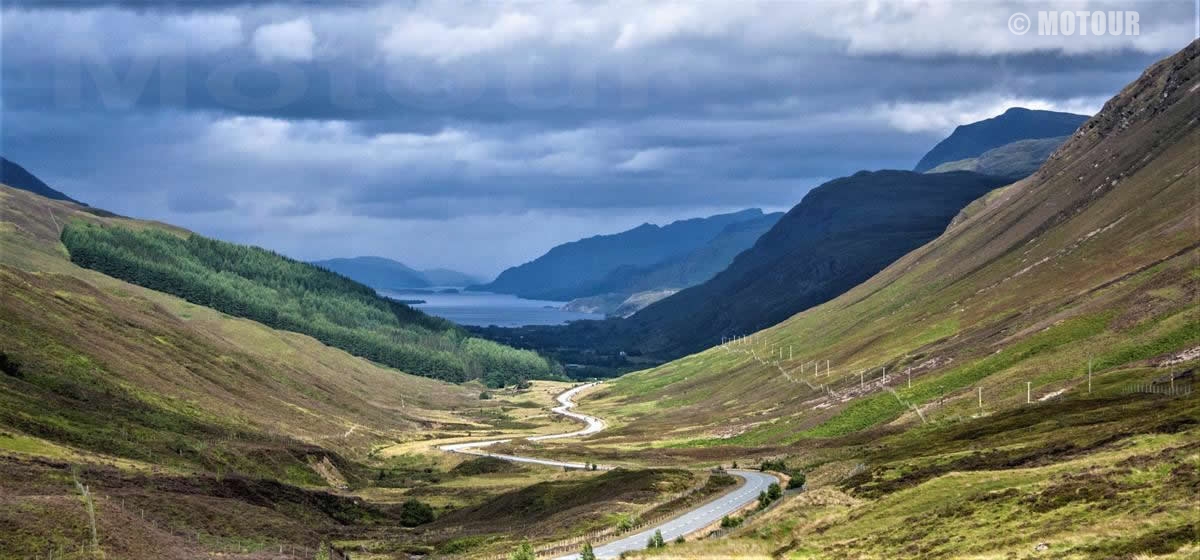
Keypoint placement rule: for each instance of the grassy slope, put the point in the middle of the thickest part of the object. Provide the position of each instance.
(1093, 256)
(194, 417)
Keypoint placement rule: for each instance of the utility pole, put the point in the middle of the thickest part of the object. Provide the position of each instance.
(1028, 392)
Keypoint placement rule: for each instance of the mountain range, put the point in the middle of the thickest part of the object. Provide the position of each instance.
(840, 234)
(648, 257)
(387, 274)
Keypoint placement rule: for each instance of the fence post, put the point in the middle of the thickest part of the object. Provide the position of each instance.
(1089, 375)
(1028, 392)
(980, 388)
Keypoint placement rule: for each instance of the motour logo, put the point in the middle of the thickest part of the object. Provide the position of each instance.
(1121, 22)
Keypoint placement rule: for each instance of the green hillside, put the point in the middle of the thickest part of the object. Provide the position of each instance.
(180, 432)
(1022, 386)
(292, 295)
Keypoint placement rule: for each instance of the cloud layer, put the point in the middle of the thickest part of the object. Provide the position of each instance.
(476, 135)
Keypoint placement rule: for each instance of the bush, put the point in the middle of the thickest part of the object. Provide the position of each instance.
(728, 522)
(10, 366)
(587, 553)
(656, 540)
(485, 396)
(414, 513)
(523, 552)
(774, 492)
(777, 465)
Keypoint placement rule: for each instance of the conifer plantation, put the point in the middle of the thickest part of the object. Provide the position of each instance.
(287, 294)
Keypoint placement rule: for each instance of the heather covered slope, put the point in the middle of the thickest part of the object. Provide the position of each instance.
(1095, 258)
(1093, 255)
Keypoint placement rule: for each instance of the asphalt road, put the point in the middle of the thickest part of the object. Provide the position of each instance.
(693, 520)
(684, 524)
(565, 405)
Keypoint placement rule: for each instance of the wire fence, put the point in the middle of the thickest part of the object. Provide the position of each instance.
(858, 382)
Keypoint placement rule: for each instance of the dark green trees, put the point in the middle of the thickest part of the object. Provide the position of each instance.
(287, 294)
(656, 540)
(414, 513)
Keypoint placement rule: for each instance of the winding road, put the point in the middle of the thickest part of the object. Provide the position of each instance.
(683, 524)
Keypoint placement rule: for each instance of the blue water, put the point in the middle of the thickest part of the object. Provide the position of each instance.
(484, 309)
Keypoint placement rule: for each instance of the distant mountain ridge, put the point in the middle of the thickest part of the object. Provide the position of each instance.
(628, 289)
(1017, 123)
(583, 268)
(18, 177)
(387, 274)
(1016, 160)
(840, 234)
(694, 267)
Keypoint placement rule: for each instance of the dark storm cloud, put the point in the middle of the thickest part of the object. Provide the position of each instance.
(192, 202)
(353, 121)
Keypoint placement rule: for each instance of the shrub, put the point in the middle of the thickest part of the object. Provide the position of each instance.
(797, 481)
(587, 553)
(774, 492)
(414, 513)
(656, 540)
(10, 366)
(523, 552)
(728, 522)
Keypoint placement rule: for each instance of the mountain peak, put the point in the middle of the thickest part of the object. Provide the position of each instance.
(18, 177)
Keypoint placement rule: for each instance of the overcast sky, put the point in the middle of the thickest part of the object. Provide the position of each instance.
(478, 135)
